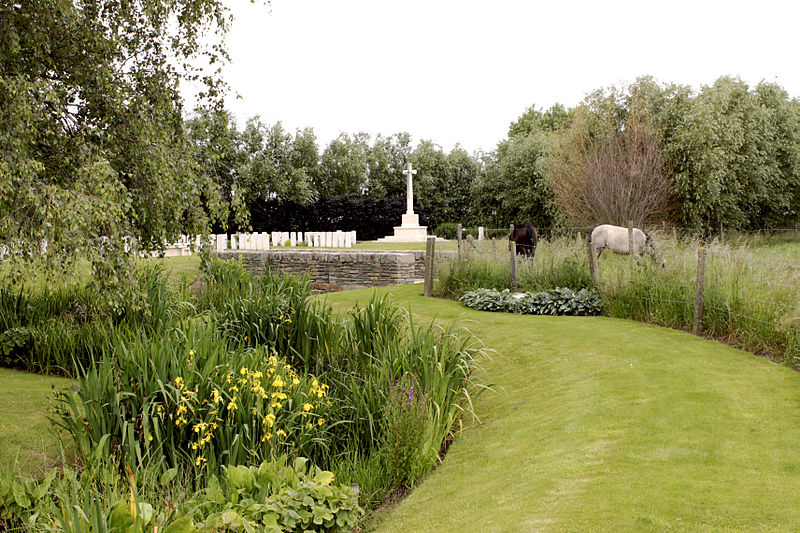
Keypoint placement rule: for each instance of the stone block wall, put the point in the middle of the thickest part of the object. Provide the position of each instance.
(334, 270)
(338, 270)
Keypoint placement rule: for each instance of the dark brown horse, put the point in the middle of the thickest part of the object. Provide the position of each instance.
(526, 238)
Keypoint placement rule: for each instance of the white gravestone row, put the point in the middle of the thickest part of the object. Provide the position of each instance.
(331, 239)
(248, 241)
(263, 241)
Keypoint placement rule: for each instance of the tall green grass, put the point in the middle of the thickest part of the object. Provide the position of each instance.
(752, 295)
(752, 285)
(557, 263)
(49, 329)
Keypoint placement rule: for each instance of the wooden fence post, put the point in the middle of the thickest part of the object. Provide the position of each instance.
(630, 246)
(699, 295)
(430, 263)
(594, 272)
(512, 245)
(460, 244)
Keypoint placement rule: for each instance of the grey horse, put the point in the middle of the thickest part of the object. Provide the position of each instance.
(615, 238)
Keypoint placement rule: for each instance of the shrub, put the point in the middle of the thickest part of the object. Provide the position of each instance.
(95, 499)
(67, 323)
(227, 380)
(559, 301)
(490, 300)
(449, 230)
(277, 497)
(382, 344)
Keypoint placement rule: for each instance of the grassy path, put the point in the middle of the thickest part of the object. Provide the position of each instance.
(608, 425)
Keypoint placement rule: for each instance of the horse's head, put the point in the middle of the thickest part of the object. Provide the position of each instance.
(652, 251)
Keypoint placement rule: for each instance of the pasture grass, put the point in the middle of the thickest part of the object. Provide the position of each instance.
(602, 424)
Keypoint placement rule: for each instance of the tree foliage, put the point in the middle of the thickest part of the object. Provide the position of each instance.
(91, 132)
(342, 168)
(737, 157)
(514, 187)
(277, 164)
(386, 160)
(610, 176)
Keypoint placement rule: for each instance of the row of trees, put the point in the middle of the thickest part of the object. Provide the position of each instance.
(728, 154)
(263, 163)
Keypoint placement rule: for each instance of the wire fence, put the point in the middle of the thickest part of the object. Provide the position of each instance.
(731, 293)
(737, 287)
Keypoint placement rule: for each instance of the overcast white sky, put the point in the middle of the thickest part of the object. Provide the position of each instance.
(461, 71)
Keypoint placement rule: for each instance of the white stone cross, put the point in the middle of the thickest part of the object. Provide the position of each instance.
(409, 189)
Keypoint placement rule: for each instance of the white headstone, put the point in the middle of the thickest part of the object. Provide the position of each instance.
(348, 239)
(481, 235)
(293, 239)
(222, 242)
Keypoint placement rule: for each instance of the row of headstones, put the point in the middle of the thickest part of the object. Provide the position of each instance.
(264, 240)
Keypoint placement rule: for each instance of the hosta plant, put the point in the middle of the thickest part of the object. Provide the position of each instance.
(559, 301)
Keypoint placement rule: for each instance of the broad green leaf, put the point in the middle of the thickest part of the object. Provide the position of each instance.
(20, 495)
(324, 477)
(181, 525)
(168, 475)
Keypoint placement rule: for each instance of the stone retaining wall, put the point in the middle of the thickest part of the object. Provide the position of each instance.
(334, 271)
(339, 270)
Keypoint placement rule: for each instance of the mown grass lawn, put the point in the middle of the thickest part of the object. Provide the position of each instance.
(600, 424)
(26, 442)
